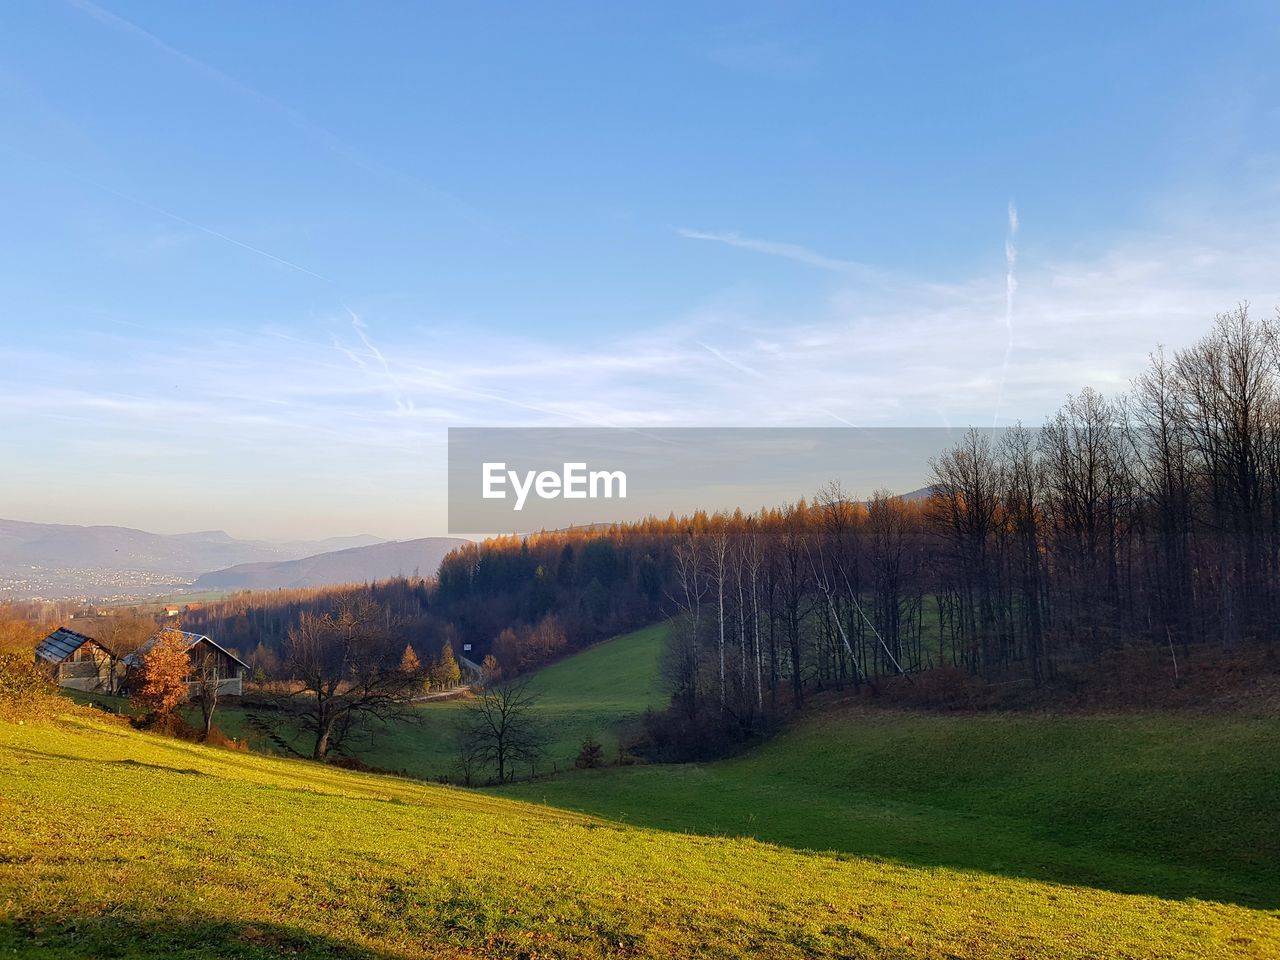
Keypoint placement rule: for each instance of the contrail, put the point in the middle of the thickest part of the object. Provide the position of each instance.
(1010, 287)
(403, 401)
(733, 363)
(203, 229)
(788, 251)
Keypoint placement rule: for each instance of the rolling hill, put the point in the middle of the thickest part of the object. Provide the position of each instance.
(178, 850)
(355, 565)
(1166, 804)
(594, 692)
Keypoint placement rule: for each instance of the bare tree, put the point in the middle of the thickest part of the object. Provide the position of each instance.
(468, 756)
(205, 683)
(690, 591)
(347, 664)
(502, 727)
(718, 558)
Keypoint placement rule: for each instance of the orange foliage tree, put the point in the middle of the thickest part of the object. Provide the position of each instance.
(409, 663)
(162, 677)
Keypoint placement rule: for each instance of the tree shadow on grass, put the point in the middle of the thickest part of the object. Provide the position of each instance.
(124, 762)
(903, 833)
(116, 937)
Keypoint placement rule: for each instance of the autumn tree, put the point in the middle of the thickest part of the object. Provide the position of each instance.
(409, 662)
(161, 683)
(446, 672)
(23, 682)
(124, 631)
(18, 635)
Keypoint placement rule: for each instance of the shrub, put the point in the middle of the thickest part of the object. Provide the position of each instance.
(590, 756)
(217, 738)
(24, 686)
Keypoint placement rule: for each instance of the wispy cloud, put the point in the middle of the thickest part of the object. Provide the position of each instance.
(304, 415)
(788, 251)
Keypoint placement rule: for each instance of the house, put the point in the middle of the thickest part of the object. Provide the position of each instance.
(81, 662)
(229, 670)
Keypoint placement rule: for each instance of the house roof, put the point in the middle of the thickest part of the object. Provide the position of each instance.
(191, 639)
(62, 643)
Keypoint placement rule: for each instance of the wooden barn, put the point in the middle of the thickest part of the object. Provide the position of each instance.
(230, 670)
(80, 662)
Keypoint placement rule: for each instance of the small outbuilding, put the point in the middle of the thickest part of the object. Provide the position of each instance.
(228, 669)
(80, 662)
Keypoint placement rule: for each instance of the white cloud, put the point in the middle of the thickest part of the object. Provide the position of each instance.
(316, 411)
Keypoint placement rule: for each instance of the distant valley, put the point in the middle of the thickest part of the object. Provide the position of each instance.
(66, 561)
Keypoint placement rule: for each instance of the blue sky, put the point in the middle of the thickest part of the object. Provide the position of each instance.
(259, 257)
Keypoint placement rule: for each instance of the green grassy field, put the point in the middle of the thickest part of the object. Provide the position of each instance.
(594, 692)
(115, 843)
(1172, 805)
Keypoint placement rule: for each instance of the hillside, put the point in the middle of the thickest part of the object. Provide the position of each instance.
(176, 850)
(591, 692)
(362, 564)
(1177, 805)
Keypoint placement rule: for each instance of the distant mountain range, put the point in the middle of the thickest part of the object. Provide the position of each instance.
(123, 548)
(924, 493)
(57, 560)
(355, 565)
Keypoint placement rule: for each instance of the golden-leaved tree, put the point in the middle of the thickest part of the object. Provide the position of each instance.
(446, 672)
(409, 663)
(161, 686)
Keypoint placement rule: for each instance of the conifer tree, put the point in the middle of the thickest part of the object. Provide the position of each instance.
(448, 672)
(409, 663)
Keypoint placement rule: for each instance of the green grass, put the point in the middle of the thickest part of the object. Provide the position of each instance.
(115, 843)
(1174, 805)
(595, 692)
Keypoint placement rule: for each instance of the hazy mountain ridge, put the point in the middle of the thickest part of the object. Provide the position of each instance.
(24, 544)
(61, 560)
(354, 565)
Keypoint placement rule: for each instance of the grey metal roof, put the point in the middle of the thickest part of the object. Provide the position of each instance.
(62, 643)
(191, 639)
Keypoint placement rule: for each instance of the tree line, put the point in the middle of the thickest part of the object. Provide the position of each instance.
(1151, 517)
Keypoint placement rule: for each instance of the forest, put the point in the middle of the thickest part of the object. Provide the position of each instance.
(1149, 519)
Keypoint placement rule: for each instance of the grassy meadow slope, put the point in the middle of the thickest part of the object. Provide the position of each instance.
(1176, 805)
(115, 843)
(592, 692)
